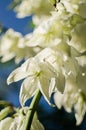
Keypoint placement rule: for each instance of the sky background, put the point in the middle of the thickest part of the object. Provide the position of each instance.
(52, 118)
(9, 20)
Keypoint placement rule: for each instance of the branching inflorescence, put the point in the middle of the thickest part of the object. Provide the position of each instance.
(54, 53)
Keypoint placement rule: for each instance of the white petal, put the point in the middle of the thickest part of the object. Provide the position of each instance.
(44, 85)
(28, 89)
(47, 80)
(80, 110)
(58, 99)
(5, 123)
(52, 87)
(19, 73)
(36, 125)
(17, 123)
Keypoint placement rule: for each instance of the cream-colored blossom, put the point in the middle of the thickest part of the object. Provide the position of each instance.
(37, 20)
(8, 43)
(38, 7)
(82, 61)
(52, 31)
(61, 65)
(40, 10)
(56, 57)
(38, 75)
(55, 30)
(72, 98)
(12, 44)
(17, 121)
(36, 125)
(75, 6)
(78, 37)
(5, 123)
(74, 91)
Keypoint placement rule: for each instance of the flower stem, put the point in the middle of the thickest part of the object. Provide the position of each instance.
(5, 103)
(32, 109)
(5, 112)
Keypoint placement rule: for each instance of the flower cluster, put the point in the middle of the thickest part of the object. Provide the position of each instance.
(59, 47)
(40, 10)
(17, 121)
(13, 44)
(75, 6)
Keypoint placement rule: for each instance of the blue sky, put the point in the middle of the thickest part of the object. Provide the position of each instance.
(9, 20)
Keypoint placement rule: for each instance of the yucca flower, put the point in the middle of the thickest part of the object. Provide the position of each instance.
(78, 37)
(37, 75)
(12, 45)
(74, 91)
(59, 66)
(17, 121)
(75, 7)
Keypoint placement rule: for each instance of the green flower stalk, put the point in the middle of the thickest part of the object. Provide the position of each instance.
(5, 103)
(5, 112)
(32, 109)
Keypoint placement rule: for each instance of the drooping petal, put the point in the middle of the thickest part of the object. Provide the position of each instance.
(36, 124)
(58, 99)
(6, 123)
(19, 118)
(28, 89)
(19, 73)
(44, 86)
(80, 109)
(78, 37)
(47, 80)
